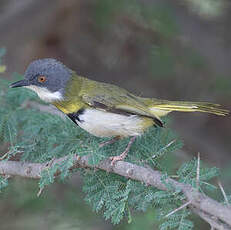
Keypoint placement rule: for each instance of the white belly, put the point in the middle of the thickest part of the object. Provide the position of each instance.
(105, 124)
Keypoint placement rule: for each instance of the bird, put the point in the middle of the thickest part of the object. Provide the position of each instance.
(102, 109)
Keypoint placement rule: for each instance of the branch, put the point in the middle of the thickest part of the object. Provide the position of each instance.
(213, 221)
(200, 204)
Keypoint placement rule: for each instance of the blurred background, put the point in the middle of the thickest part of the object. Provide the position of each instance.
(176, 50)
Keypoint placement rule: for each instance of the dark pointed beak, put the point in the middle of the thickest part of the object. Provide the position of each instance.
(19, 84)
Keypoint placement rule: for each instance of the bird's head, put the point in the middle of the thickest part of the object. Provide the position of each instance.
(47, 77)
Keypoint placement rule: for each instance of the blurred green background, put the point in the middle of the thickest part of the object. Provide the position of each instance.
(176, 50)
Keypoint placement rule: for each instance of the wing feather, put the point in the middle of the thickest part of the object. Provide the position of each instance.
(114, 99)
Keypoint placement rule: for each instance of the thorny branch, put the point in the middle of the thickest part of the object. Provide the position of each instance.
(216, 214)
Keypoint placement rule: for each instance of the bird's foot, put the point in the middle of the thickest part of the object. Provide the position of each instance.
(113, 140)
(123, 155)
(118, 158)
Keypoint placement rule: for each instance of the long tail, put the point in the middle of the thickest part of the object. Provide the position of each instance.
(163, 107)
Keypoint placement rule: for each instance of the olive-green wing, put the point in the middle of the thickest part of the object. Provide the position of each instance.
(114, 99)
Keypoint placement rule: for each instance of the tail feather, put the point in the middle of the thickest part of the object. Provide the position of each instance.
(162, 108)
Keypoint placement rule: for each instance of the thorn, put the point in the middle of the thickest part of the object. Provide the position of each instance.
(223, 192)
(178, 209)
(198, 171)
(39, 192)
(170, 143)
(165, 147)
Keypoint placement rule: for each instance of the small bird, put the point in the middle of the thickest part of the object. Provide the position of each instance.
(102, 109)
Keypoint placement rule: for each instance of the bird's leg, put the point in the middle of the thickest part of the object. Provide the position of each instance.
(113, 140)
(124, 153)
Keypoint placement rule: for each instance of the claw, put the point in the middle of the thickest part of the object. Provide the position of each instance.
(123, 154)
(117, 158)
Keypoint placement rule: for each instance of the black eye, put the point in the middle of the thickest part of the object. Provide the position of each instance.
(42, 79)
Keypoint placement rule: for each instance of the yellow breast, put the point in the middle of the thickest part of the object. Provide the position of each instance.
(69, 106)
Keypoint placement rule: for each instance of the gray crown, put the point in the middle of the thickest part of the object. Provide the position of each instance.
(56, 73)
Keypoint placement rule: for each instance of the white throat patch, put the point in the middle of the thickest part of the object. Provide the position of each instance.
(45, 94)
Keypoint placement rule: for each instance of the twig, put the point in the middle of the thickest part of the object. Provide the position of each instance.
(178, 209)
(198, 171)
(199, 202)
(223, 192)
(39, 192)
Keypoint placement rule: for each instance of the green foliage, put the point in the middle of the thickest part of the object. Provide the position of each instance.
(3, 182)
(48, 175)
(178, 221)
(108, 191)
(40, 137)
(188, 175)
(116, 196)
